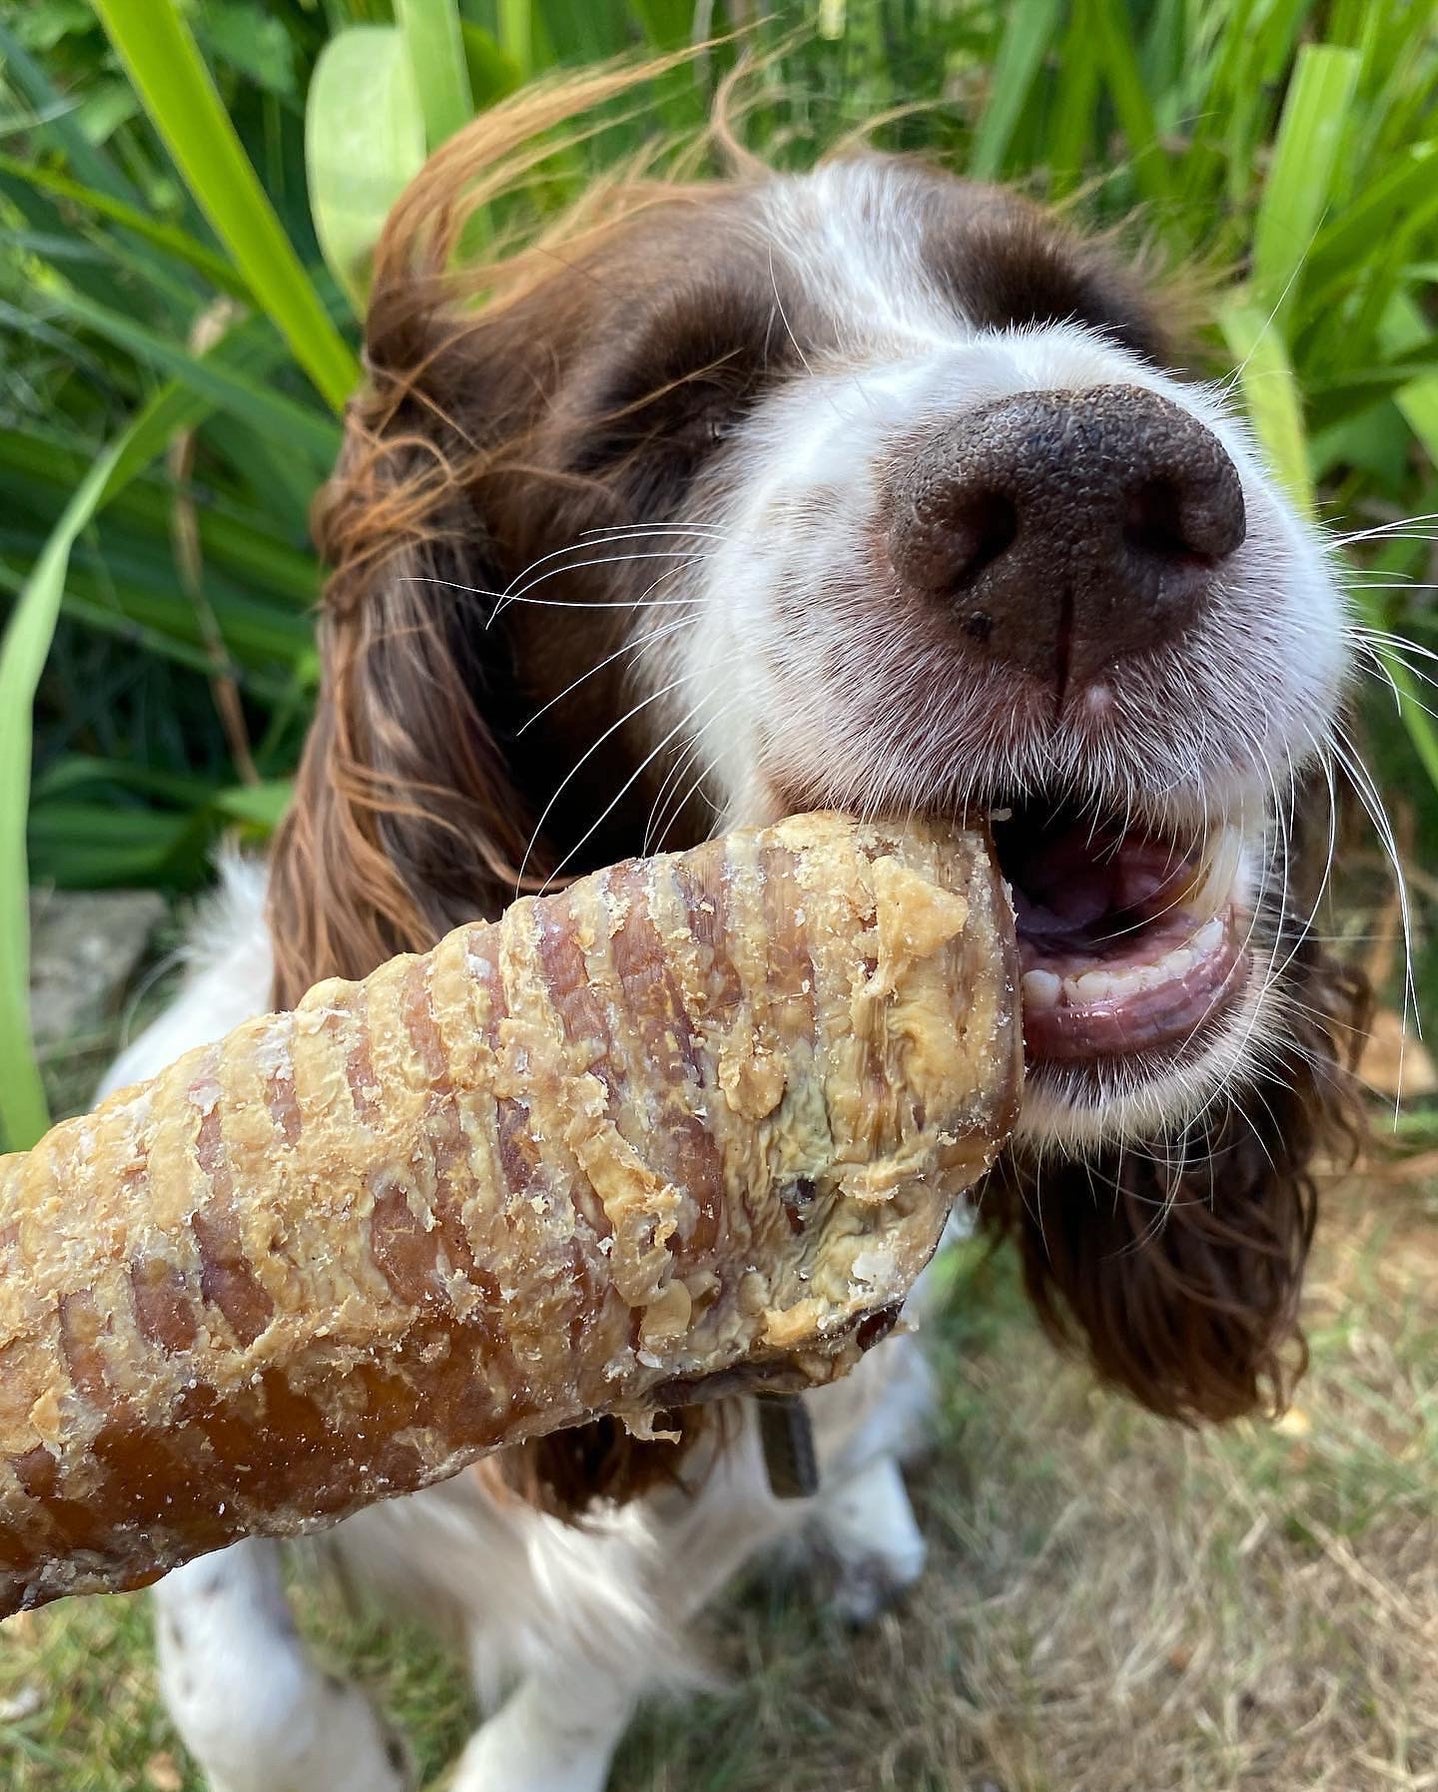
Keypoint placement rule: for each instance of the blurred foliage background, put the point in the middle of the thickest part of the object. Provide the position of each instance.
(188, 190)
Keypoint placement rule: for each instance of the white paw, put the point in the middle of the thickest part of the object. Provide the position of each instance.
(864, 1590)
(338, 1743)
(871, 1531)
(542, 1741)
(256, 1712)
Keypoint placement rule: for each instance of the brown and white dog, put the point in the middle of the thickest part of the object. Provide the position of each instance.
(866, 488)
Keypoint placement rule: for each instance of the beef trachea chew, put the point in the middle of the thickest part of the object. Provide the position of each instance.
(692, 1126)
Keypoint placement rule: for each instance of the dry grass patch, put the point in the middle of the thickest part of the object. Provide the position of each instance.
(1112, 1606)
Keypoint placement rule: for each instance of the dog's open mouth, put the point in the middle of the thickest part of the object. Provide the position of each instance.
(1130, 946)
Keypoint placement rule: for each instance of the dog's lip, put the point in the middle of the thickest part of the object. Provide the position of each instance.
(1150, 1001)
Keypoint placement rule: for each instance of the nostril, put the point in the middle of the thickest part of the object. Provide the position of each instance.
(1153, 522)
(1194, 516)
(981, 526)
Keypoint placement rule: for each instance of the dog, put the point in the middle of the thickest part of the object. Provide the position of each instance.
(864, 488)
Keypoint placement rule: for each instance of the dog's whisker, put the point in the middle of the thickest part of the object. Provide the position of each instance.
(628, 716)
(623, 790)
(520, 594)
(636, 645)
(584, 545)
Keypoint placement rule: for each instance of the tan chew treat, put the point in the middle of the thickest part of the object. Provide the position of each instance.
(694, 1124)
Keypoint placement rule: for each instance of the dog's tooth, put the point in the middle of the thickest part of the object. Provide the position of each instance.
(1209, 937)
(1212, 888)
(1092, 986)
(1041, 989)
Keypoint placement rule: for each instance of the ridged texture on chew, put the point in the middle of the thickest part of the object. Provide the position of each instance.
(692, 1124)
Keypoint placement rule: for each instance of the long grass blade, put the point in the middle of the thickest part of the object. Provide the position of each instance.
(171, 78)
(59, 126)
(516, 33)
(23, 650)
(432, 35)
(1300, 180)
(172, 241)
(212, 381)
(1028, 33)
(1130, 97)
(1270, 394)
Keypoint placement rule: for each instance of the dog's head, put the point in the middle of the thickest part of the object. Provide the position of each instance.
(867, 488)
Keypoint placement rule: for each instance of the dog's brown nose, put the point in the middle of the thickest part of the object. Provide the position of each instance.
(1065, 530)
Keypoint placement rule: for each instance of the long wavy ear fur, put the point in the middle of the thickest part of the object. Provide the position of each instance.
(407, 818)
(1180, 1277)
(410, 813)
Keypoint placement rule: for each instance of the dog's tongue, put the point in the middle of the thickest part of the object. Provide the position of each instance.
(1071, 888)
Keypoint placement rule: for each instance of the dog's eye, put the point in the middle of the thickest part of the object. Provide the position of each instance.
(681, 391)
(668, 411)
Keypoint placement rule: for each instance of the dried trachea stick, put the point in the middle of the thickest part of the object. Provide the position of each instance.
(693, 1125)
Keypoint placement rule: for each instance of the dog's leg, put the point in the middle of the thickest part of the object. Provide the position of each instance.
(556, 1732)
(251, 1706)
(869, 1525)
(862, 1518)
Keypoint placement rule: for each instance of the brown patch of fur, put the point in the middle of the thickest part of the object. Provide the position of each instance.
(1180, 1277)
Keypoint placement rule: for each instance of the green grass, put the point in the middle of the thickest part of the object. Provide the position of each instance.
(153, 170)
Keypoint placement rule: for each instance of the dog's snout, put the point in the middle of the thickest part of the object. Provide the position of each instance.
(1067, 530)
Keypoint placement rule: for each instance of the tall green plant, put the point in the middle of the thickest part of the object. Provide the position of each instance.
(172, 80)
(1291, 141)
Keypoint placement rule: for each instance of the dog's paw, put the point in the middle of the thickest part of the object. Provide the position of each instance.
(865, 1587)
(869, 1531)
(550, 1736)
(350, 1747)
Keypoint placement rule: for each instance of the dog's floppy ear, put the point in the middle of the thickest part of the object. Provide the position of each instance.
(1176, 1265)
(406, 819)
(409, 815)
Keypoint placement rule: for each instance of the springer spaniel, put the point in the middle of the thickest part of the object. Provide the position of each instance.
(867, 488)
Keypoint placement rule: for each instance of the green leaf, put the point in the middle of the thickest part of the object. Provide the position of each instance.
(1072, 126)
(48, 22)
(180, 98)
(107, 106)
(1300, 180)
(1405, 687)
(211, 380)
(161, 644)
(96, 845)
(516, 33)
(240, 33)
(82, 771)
(59, 126)
(1403, 197)
(430, 29)
(23, 651)
(1418, 401)
(1029, 32)
(1130, 98)
(493, 72)
(165, 237)
(364, 139)
(667, 24)
(1270, 394)
(263, 806)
